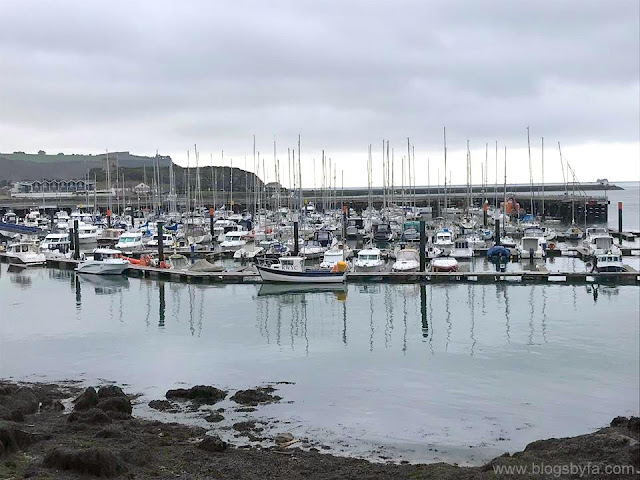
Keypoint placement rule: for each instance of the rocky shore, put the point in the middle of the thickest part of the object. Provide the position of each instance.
(62, 431)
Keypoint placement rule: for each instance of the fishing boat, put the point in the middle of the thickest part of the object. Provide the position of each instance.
(130, 241)
(407, 260)
(369, 260)
(25, 253)
(609, 262)
(293, 270)
(444, 264)
(105, 261)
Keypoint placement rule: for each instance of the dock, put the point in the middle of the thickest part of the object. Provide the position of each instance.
(541, 275)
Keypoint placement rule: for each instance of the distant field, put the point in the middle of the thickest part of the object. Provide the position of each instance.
(59, 158)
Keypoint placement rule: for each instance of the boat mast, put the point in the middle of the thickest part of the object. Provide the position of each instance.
(530, 170)
(495, 187)
(543, 178)
(445, 173)
(504, 212)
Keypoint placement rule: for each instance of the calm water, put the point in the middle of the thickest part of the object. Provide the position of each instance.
(630, 198)
(411, 369)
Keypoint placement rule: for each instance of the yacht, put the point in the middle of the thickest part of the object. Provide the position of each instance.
(105, 262)
(293, 270)
(591, 233)
(369, 260)
(248, 252)
(601, 244)
(410, 232)
(25, 253)
(315, 247)
(55, 244)
(407, 260)
(234, 240)
(168, 240)
(383, 233)
(197, 234)
(461, 249)
(355, 227)
(130, 241)
(87, 233)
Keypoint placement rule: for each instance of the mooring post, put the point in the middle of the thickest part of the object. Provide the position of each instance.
(295, 235)
(423, 311)
(497, 232)
(620, 223)
(76, 241)
(485, 207)
(160, 241)
(108, 218)
(423, 246)
(211, 211)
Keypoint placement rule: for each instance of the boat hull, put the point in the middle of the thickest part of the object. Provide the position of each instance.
(102, 268)
(27, 260)
(276, 275)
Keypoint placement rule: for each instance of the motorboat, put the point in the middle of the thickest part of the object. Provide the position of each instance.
(293, 270)
(55, 244)
(601, 244)
(234, 240)
(369, 260)
(25, 253)
(508, 242)
(383, 233)
(444, 240)
(444, 264)
(130, 241)
(407, 260)
(197, 234)
(533, 243)
(248, 252)
(105, 261)
(609, 262)
(461, 249)
(334, 255)
(411, 232)
(315, 247)
(109, 237)
(573, 233)
(10, 217)
(355, 227)
(434, 252)
(87, 233)
(222, 227)
(168, 240)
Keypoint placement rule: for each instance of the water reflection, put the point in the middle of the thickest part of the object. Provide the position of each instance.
(19, 276)
(102, 284)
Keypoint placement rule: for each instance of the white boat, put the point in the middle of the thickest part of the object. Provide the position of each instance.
(407, 260)
(461, 249)
(533, 243)
(508, 242)
(55, 244)
(234, 241)
(105, 261)
(130, 241)
(369, 260)
(573, 233)
(601, 244)
(609, 262)
(292, 270)
(248, 252)
(335, 254)
(25, 253)
(591, 233)
(168, 240)
(87, 233)
(444, 240)
(197, 234)
(444, 264)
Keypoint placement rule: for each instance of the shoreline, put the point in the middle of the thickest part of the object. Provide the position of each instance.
(61, 430)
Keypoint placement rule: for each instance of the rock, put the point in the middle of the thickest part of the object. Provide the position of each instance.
(12, 439)
(212, 443)
(162, 405)
(284, 438)
(255, 396)
(51, 404)
(110, 391)
(87, 400)
(200, 394)
(92, 417)
(634, 424)
(246, 409)
(247, 426)
(214, 417)
(115, 404)
(619, 422)
(96, 461)
(26, 400)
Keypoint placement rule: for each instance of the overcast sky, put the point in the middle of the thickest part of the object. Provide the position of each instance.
(139, 76)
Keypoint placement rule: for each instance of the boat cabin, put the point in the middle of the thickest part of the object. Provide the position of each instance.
(101, 254)
(292, 264)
